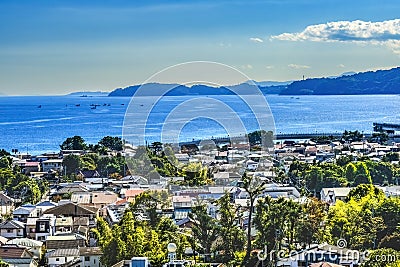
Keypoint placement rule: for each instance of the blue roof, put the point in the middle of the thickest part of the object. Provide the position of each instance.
(28, 205)
(46, 203)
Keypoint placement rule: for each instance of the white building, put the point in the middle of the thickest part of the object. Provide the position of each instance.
(52, 164)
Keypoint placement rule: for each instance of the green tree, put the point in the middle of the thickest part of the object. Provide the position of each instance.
(231, 236)
(147, 203)
(391, 156)
(112, 143)
(74, 143)
(102, 232)
(4, 163)
(114, 250)
(389, 210)
(312, 215)
(390, 241)
(363, 190)
(205, 228)
(357, 220)
(195, 174)
(254, 186)
(71, 164)
(362, 175)
(3, 263)
(350, 172)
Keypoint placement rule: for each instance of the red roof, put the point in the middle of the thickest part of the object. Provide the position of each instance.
(133, 192)
(31, 164)
(122, 201)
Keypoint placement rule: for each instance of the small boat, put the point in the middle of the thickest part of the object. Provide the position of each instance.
(94, 107)
(78, 105)
(39, 106)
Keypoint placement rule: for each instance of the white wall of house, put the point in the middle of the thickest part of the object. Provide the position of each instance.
(12, 233)
(90, 261)
(57, 261)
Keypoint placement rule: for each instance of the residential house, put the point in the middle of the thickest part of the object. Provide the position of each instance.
(87, 174)
(27, 167)
(80, 222)
(33, 246)
(64, 225)
(324, 156)
(251, 165)
(45, 226)
(90, 256)
(226, 178)
(65, 241)
(101, 199)
(130, 194)
(16, 255)
(331, 195)
(182, 206)
(62, 256)
(23, 212)
(45, 205)
(12, 229)
(6, 204)
(392, 191)
(52, 165)
(81, 197)
(74, 210)
(21, 262)
(185, 223)
(30, 227)
(68, 189)
(116, 211)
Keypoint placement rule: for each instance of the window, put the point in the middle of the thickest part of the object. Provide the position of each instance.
(87, 258)
(9, 230)
(57, 259)
(42, 227)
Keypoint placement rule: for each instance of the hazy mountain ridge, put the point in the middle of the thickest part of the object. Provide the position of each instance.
(177, 90)
(349, 83)
(370, 82)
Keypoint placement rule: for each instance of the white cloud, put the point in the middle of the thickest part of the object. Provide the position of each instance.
(246, 67)
(256, 40)
(341, 66)
(295, 66)
(358, 31)
(269, 67)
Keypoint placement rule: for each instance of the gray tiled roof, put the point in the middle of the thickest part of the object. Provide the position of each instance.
(12, 225)
(63, 252)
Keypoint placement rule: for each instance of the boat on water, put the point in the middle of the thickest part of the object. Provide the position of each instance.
(39, 106)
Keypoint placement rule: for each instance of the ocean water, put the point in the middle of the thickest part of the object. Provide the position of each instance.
(37, 124)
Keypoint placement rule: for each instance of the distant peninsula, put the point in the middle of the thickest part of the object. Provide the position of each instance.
(88, 93)
(179, 90)
(350, 83)
(364, 83)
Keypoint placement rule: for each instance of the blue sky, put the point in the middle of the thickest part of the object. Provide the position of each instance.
(55, 47)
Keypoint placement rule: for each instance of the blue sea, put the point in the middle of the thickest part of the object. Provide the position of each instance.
(37, 124)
